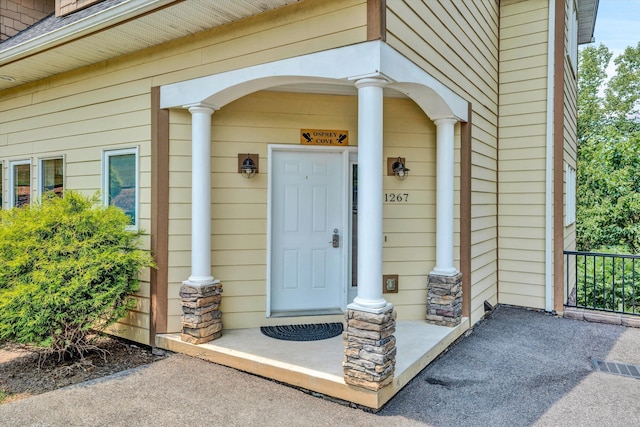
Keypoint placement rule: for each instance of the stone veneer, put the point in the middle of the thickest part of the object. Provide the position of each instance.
(201, 315)
(370, 348)
(444, 300)
(17, 15)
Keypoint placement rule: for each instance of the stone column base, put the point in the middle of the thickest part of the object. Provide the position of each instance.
(369, 348)
(444, 301)
(201, 315)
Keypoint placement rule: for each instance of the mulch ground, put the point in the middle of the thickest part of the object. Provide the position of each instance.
(25, 372)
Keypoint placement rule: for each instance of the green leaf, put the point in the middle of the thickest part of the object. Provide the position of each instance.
(68, 267)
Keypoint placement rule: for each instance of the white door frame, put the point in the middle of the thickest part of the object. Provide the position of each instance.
(346, 194)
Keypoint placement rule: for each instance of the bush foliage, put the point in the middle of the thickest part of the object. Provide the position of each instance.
(68, 268)
(608, 282)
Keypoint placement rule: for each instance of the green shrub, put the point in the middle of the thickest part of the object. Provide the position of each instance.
(68, 268)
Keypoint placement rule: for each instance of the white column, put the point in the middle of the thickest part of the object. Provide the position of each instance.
(201, 194)
(370, 98)
(444, 197)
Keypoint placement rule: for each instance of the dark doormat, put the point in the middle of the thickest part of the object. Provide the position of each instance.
(311, 332)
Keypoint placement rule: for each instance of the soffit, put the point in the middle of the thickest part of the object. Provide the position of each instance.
(107, 30)
(587, 12)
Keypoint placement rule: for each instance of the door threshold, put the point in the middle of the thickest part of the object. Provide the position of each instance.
(297, 313)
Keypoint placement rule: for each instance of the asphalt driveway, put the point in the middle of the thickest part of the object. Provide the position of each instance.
(517, 368)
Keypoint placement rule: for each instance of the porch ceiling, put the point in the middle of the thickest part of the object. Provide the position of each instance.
(107, 30)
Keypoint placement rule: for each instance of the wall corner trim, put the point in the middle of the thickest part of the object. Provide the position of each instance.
(159, 216)
(376, 20)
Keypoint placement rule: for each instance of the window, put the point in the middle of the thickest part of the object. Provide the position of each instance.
(120, 181)
(570, 194)
(20, 183)
(52, 176)
(572, 30)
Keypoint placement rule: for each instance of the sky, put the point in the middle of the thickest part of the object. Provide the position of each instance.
(617, 25)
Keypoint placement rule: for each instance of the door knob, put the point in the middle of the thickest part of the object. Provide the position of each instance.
(335, 242)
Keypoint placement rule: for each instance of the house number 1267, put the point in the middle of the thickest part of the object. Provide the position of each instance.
(396, 197)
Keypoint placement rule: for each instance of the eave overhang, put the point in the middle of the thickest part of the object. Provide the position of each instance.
(587, 13)
(109, 30)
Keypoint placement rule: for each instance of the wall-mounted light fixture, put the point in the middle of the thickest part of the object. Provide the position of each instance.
(396, 167)
(248, 164)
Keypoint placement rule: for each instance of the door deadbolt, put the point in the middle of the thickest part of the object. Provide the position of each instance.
(335, 242)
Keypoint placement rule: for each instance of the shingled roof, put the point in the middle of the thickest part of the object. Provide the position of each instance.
(51, 23)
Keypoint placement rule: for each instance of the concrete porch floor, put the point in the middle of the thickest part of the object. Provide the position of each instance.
(317, 365)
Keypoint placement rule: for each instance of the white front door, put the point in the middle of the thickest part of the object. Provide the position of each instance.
(307, 209)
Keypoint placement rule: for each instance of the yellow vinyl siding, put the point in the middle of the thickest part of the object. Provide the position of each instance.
(457, 43)
(523, 110)
(239, 209)
(297, 29)
(107, 106)
(78, 128)
(570, 157)
(239, 206)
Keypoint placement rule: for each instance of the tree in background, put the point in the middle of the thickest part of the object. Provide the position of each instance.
(608, 176)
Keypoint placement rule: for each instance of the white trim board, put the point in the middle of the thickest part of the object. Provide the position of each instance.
(348, 64)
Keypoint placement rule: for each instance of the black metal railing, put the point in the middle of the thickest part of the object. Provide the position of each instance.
(604, 282)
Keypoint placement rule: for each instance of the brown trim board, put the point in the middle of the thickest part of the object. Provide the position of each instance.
(465, 213)
(377, 20)
(159, 216)
(558, 157)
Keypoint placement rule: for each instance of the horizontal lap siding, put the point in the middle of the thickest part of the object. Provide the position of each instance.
(570, 158)
(239, 206)
(457, 43)
(523, 109)
(409, 227)
(79, 123)
(107, 106)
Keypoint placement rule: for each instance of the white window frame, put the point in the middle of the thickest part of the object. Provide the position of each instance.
(41, 161)
(570, 194)
(11, 180)
(106, 155)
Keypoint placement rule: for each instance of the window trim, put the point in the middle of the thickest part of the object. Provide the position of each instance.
(106, 154)
(570, 195)
(12, 179)
(41, 161)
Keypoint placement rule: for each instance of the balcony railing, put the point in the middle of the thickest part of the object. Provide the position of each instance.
(604, 282)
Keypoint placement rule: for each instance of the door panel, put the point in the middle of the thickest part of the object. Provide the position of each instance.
(306, 206)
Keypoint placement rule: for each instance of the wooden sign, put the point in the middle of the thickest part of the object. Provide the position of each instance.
(324, 137)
